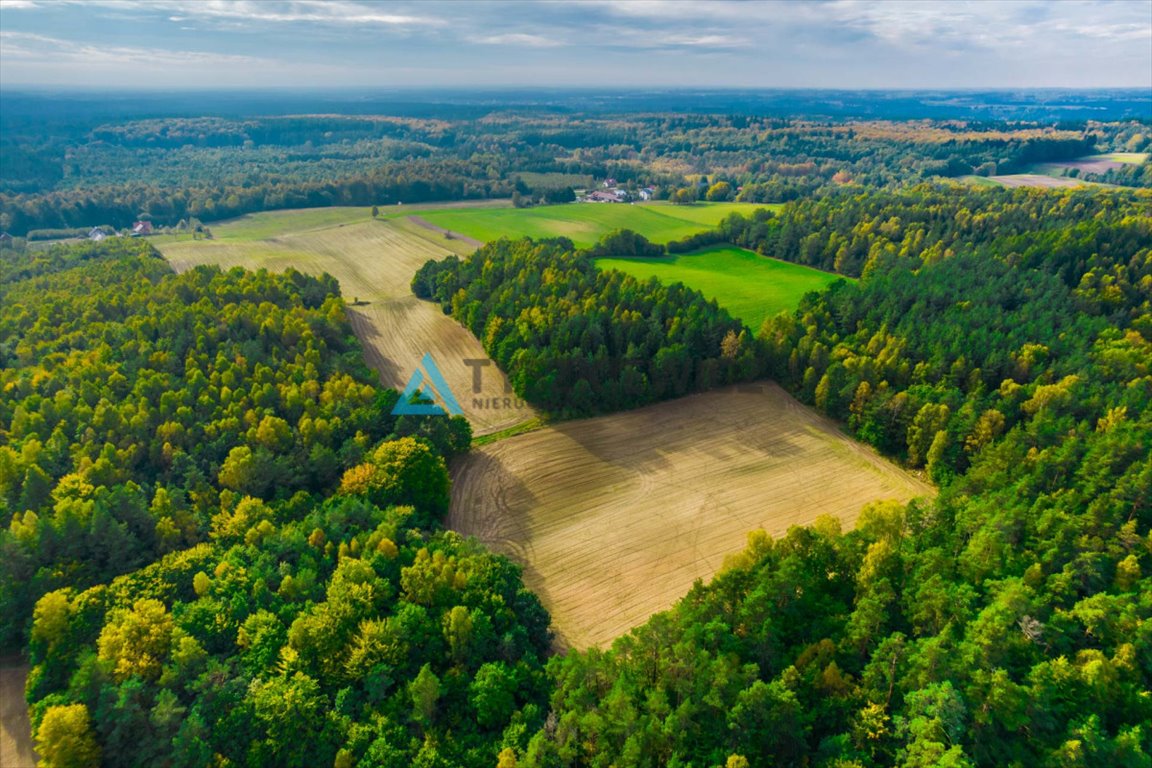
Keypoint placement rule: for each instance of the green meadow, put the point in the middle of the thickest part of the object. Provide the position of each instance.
(586, 223)
(750, 286)
(270, 224)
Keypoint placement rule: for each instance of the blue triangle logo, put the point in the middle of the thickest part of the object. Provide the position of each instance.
(428, 383)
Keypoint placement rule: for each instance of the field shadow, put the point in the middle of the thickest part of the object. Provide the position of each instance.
(490, 502)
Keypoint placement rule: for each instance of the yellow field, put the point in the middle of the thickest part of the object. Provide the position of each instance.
(614, 518)
(374, 262)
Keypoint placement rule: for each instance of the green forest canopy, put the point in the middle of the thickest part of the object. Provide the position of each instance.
(1001, 339)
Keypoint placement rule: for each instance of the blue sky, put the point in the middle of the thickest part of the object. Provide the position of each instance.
(619, 43)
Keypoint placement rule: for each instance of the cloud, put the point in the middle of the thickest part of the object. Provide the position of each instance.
(27, 46)
(821, 43)
(707, 41)
(75, 63)
(520, 39)
(12, 5)
(333, 12)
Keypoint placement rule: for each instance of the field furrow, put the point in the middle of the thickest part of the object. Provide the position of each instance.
(614, 518)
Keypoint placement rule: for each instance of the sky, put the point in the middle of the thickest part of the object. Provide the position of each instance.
(211, 44)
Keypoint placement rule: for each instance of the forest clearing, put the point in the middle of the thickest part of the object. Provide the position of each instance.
(614, 518)
(750, 286)
(585, 223)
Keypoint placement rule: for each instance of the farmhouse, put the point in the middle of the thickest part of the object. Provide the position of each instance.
(141, 229)
(97, 234)
(611, 196)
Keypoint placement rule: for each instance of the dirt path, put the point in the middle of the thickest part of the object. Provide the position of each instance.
(15, 730)
(420, 222)
(614, 518)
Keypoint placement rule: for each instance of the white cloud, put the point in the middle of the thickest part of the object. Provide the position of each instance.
(50, 49)
(832, 43)
(520, 39)
(39, 58)
(334, 12)
(707, 41)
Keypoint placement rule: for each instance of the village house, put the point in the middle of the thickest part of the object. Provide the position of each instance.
(603, 196)
(142, 229)
(96, 234)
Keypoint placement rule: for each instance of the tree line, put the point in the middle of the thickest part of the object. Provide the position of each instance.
(576, 341)
(88, 173)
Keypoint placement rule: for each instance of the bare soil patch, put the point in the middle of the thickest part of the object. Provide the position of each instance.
(614, 518)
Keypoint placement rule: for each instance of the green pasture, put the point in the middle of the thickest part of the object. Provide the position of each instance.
(750, 286)
(586, 223)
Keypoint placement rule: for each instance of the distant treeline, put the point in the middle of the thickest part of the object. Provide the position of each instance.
(211, 168)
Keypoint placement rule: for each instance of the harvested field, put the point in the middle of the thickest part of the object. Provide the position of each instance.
(1094, 163)
(15, 731)
(1037, 180)
(614, 518)
(374, 262)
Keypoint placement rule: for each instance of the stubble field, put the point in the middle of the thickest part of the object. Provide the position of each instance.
(614, 518)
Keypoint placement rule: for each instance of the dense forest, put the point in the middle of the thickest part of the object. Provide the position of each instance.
(219, 547)
(217, 438)
(576, 341)
(103, 171)
(1007, 622)
(134, 398)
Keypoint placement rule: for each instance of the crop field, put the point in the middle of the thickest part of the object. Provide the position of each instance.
(374, 262)
(750, 286)
(1093, 163)
(269, 224)
(15, 730)
(614, 518)
(586, 223)
(1039, 180)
